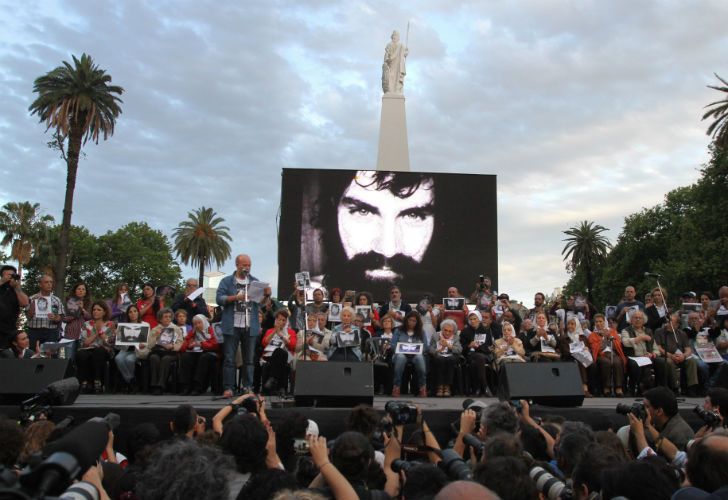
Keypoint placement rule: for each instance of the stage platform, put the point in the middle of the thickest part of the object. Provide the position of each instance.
(440, 413)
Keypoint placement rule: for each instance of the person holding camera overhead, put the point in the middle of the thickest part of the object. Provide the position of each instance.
(12, 298)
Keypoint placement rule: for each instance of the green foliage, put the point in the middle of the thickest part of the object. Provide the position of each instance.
(134, 254)
(79, 102)
(719, 112)
(586, 250)
(24, 228)
(77, 95)
(685, 238)
(202, 239)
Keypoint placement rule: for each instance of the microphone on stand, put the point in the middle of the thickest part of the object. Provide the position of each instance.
(652, 275)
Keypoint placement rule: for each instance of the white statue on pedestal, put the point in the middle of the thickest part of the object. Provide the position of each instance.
(393, 69)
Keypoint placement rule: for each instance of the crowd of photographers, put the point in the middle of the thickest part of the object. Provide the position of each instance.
(500, 450)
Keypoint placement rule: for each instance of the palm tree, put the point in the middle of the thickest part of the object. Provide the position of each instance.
(201, 239)
(24, 229)
(719, 128)
(585, 249)
(80, 103)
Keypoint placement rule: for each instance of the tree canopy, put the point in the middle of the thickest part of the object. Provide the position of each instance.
(133, 254)
(685, 239)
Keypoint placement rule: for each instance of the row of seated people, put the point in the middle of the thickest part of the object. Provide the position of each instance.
(607, 361)
(194, 351)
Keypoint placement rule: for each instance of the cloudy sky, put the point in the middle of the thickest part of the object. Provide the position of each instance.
(583, 109)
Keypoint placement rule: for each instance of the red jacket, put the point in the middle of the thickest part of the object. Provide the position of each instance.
(595, 343)
(291, 339)
(210, 345)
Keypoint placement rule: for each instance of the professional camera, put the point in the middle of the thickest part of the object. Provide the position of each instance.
(549, 485)
(637, 409)
(402, 465)
(481, 282)
(711, 419)
(401, 412)
(454, 466)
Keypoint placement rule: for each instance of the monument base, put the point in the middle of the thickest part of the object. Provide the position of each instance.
(393, 149)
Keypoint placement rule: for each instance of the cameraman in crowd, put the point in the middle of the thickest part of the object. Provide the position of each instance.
(12, 298)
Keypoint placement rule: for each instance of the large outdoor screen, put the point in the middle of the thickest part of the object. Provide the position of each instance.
(367, 230)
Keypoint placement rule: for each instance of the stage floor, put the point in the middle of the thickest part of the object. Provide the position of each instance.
(442, 414)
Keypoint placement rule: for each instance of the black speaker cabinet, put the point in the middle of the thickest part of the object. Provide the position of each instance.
(22, 378)
(334, 384)
(551, 384)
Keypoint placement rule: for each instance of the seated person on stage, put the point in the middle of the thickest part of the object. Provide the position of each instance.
(609, 358)
(317, 341)
(509, 348)
(279, 345)
(679, 352)
(126, 358)
(720, 334)
(345, 342)
(19, 347)
(180, 319)
(574, 338)
(365, 299)
(200, 353)
(478, 339)
(410, 333)
(396, 306)
(163, 344)
(656, 312)
(382, 352)
(97, 340)
(445, 350)
(637, 341)
(542, 342)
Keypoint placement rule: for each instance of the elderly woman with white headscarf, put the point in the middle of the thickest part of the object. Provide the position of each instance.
(200, 351)
(574, 347)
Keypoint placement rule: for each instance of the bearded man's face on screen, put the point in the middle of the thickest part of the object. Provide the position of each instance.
(385, 226)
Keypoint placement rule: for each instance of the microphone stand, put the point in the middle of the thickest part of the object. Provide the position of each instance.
(305, 324)
(669, 320)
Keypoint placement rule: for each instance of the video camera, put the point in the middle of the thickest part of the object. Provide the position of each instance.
(69, 458)
(637, 409)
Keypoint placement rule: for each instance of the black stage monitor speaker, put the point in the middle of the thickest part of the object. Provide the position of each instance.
(551, 384)
(24, 378)
(334, 384)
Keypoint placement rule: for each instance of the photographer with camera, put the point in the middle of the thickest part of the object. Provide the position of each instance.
(494, 418)
(12, 298)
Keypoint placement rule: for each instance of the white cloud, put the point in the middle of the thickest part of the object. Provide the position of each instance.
(583, 110)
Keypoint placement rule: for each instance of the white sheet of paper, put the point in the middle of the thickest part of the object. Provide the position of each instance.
(641, 360)
(196, 293)
(256, 289)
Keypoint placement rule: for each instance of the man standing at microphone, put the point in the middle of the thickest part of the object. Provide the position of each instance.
(240, 323)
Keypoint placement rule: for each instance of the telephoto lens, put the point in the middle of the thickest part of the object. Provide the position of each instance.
(550, 486)
(454, 466)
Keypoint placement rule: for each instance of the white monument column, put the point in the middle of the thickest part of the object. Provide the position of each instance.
(393, 149)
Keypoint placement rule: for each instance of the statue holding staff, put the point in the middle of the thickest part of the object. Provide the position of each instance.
(393, 69)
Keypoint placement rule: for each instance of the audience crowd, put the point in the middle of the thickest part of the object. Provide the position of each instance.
(251, 343)
(499, 450)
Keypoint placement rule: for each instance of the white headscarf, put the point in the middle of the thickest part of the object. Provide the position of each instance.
(205, 325)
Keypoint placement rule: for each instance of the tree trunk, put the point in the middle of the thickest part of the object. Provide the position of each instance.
(589, 283)
(74, 149)
(202, 272)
